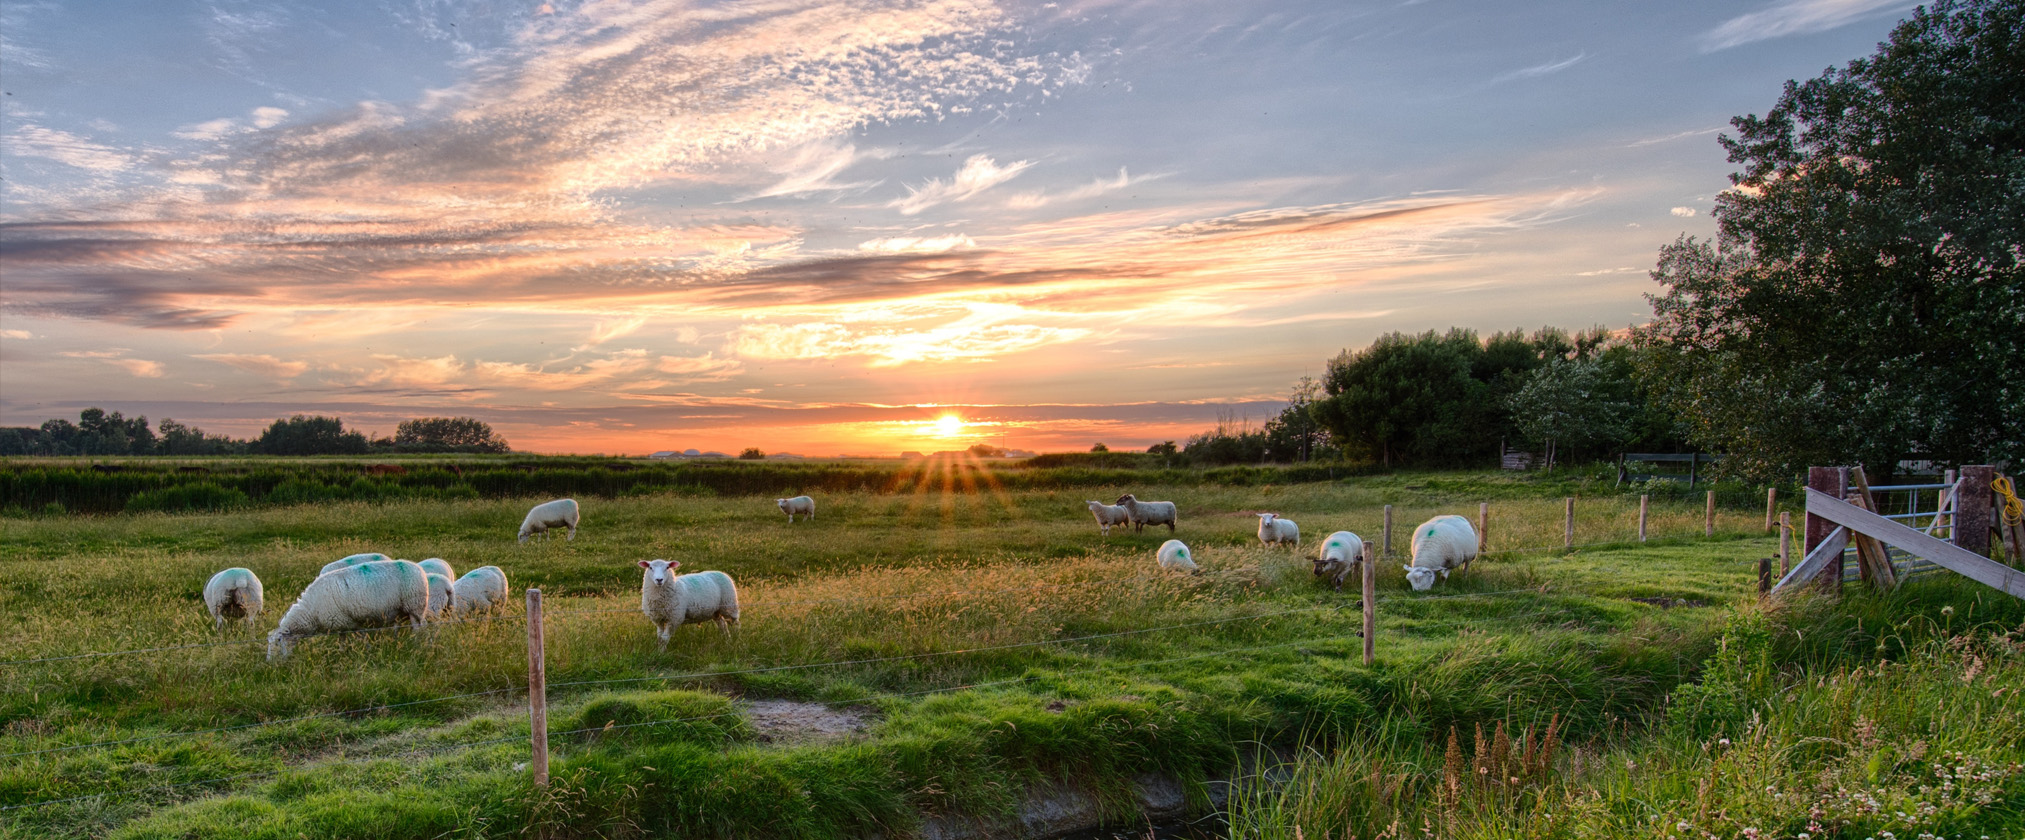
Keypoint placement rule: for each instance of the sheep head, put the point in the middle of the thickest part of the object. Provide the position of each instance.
(659, 571)
(1421, 579)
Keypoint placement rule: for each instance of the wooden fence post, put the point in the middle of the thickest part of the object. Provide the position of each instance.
(1785, 543)
(1370, 605)
(1709, 518)
(1643, 501)
(1568, 530)
(1972, 509)
(537, 690)
(1832, 481)
(1483, 527)
(1388, 531)
(1764, 576)
(1771, 507)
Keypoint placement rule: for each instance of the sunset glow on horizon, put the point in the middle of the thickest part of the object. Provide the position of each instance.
(834, 227)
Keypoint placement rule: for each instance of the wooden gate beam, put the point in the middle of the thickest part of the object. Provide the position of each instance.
(1966, 563)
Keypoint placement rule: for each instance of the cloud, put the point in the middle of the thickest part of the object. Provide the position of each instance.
(451, 375)
(1651, 141)
(268, 117)
(1097, 187)
(978, 173)
(814, 168)
(32, 140)
(259, 364)
(604, 331)
(918, 244)
(138, 367)
(1682, 211)
(983, 334)
(19, 335)
(1793, 17)
(1538, 70)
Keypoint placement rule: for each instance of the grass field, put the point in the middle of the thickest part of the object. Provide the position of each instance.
(985, 641)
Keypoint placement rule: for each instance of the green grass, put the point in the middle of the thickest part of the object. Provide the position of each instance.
(901, 577)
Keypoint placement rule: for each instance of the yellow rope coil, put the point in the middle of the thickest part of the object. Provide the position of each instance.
(2014, 511)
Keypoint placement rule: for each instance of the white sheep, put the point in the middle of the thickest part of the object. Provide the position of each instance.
(1107, 516)
(557, 514)
(438, 566)
(1273, 529)
(233, 593)
(1441, 545)
(1174, 557)
(479, 590)
(1340, 557)
(354, 560)
(798, 505)
(367, 595)
(441, 595)
(671, 600)
(1143, 514)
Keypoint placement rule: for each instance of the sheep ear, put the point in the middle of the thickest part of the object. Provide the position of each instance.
(646, 565)
(1408, 568)
(674, 564)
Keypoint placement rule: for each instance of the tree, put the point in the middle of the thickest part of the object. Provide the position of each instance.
(986, 450)
(447, 434)
(1295, 435)
(1861, 300)
(1164, 448)
(1409, 399)
(1565, 403)
(1100, 448)
(304, 435)
(752, 453)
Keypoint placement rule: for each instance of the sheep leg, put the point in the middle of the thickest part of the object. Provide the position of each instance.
(217, 622)
(661, 630)
(1170, 527)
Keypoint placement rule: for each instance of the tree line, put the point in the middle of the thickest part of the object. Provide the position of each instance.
(97, 432)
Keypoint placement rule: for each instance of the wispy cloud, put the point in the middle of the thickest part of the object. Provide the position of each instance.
(1538, 70)
(918, 244)
(978, 173)
(1097, 187)
(259, 364)
(1682, 211)
(1681, 135)
(32, 140)
(814, 168)
(1794, 17)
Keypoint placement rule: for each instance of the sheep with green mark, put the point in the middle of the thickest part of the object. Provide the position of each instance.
(1440, 545)
(1339, 557)
(379, 594)
(233, 593)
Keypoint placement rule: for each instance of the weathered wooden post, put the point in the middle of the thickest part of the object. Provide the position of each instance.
(1771, 507)
(1370, 605)
(537, 690)
(1833, 481)
(1483, 527)
(1568, 529)
(1644, 501)
(1764, 576)
(1785, 543)
(1972, 508)
(1709, 518)
(1388, 531)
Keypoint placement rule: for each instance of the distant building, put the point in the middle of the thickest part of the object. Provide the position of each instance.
(910, 455)
(663, 455)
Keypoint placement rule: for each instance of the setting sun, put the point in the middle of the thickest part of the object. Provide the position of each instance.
(949, 425)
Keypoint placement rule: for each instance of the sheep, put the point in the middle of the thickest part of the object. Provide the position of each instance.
(1107, 516)
(233, 593)
(1273, 529)
(1440, 545)
(1143, 514)
(354, 560)
(367, 595)
(438, 566)
(671, 600)
(556, 514)
(1341, 553)
(1173, 556)
(799, 504)
(479, 590)
(441, 595)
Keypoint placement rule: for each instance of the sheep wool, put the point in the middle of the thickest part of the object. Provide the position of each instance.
(480, 590)
(354, 560)
(1143, 514)
(1273, 529)
(233, 593)
(441, 595)
(671, 600)
(1441, 545)
(561, 513)
(366, 595)
(802, 505)
(438, 566)
(1339, 558)
(1107, 516)
(1174, 557)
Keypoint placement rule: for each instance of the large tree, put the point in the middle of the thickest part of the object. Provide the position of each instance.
(447, 434)
(1863, 300)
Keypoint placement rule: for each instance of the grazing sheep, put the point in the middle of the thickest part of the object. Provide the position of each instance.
(799, 504)
(233, 593)
(438, 566)
(556, 514)
(354, 560)
(1174, 557)
(479, 590)
(1143, 514)
(441, 595)
(1107, 516)
(367, 595)
(1341, 553)
(671, 600)
(1441, 545)
(1273, 529)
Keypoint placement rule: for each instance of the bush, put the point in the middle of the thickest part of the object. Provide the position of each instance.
(199, 496)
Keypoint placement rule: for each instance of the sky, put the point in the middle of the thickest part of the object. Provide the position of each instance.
(820, 228)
